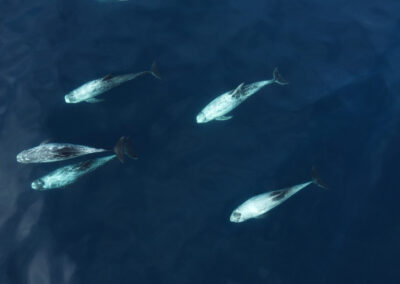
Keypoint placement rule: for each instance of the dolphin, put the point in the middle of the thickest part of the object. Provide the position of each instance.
(88, 91)
(54, 152)
(71, 173)
(218, 108)
(257, 206)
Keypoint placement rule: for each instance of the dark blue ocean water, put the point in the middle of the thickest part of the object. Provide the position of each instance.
(165, 217)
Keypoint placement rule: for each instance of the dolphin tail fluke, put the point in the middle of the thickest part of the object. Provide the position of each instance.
(128, 149)
(154, 70)
(278, 78)
(124, 147)
(316, 179)
(119, 149)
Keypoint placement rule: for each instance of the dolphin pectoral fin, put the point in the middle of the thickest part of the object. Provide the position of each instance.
(262, 216)
(94, 101)
(224, 117)
(107, 77)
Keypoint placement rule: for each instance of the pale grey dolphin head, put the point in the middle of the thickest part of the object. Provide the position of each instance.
(69, 98)
(21, 158)
(237, 216)
(38, 184)
(201, 118)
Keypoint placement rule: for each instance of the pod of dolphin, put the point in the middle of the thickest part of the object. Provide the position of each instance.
(218, 110)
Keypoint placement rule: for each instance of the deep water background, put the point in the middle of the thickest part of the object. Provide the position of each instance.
(165, 217)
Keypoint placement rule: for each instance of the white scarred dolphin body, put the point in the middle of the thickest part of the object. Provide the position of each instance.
(257, 206)
(69, 174)
(88, 91)
(54, 152)
(218, 108)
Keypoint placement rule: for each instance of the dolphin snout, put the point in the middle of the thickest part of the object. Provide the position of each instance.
(201, 118)
(67, 100)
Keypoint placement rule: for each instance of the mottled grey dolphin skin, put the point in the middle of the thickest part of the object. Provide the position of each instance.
(88, 91)
(260, 204)
(54, 152)
(228, 101)
(69, 174)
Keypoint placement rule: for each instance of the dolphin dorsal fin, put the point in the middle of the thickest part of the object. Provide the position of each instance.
(94, 100)
(279, 194)
(47, 141)
(238, 91)
(107, 77)
(223, 117)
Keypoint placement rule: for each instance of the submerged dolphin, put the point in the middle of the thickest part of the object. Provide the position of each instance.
(54, 152)
(223, 104)
(260, 204)
(88, 91)
(71, 173)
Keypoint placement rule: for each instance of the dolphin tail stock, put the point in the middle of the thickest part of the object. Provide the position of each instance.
(154, 70)
(316, 179)
(128, 149)
(277, 77)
